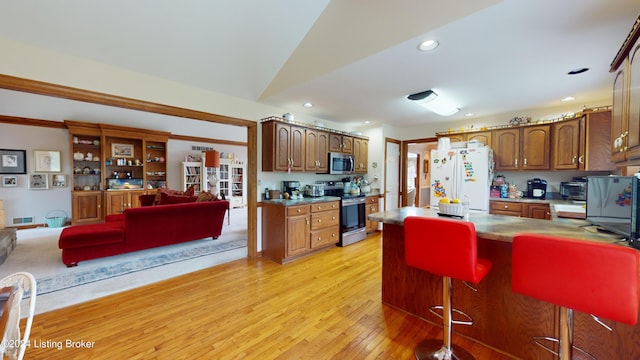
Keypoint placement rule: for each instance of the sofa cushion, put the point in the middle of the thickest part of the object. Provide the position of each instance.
(90, 235)
(180, 199)
(206, 196)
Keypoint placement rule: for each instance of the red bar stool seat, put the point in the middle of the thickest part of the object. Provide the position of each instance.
(446, 248)
(595, 278)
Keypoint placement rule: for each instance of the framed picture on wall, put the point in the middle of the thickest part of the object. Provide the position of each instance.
(47, 161)
(58, 180)
(9, 181)
(38, 181)
(122, 150)
(13, 161)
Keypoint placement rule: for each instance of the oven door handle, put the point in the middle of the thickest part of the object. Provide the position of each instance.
(347, 202)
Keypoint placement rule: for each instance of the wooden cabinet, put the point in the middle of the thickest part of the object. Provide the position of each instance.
(118, 201)
(317, 151)
(625, 122)
(522, 148)
(155, 163)
(283, 147)
(340, 143)
(86, 207)
(520, 209)
(325, 224)
(484, 137)
(583, 143)
(538, 211)
(506, 149)
(298, 230)
(372, 207)
(361, 155)
(289, 232)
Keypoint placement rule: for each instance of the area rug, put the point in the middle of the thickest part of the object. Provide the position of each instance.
(37, 252)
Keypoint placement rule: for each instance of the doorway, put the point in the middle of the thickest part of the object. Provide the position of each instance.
(417, 179)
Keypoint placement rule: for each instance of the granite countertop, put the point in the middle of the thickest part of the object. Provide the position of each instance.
(307, 200)
(503, 228)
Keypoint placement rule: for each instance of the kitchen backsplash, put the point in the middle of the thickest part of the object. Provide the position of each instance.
(553, 178)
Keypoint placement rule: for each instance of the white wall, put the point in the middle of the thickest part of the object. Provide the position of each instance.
(21, 201)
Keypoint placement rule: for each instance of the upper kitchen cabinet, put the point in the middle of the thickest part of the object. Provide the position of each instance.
(506, 149)
(361, 155)
(625, 123)
(522, 148)
(317, 149)
(283, 146)
(484, 137)
(340, 143)
(583, 143)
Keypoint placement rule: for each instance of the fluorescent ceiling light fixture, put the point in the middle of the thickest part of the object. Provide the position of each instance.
(428, 45)
(307, 104)
(430, 100)
(468, 114)
(568, 98)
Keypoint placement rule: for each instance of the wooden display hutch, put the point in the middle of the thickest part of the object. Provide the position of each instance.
(113, 165)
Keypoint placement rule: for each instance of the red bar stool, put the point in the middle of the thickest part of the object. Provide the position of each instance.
(592, 277)
(447, 248)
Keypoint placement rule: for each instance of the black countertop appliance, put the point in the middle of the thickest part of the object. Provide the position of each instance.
(537, 188)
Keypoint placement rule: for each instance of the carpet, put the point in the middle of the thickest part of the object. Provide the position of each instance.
(37, 252)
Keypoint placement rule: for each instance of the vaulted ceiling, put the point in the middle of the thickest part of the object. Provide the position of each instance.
(355, 60)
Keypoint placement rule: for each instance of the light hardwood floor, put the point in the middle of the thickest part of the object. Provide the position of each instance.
(326, 306)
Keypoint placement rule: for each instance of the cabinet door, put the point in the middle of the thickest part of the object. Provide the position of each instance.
(282, 146)
(506, 149)
(633, 140)
(316, 147)
(372, 208)
(536, 141)
(323, 152)
(339, 143)
(483, 136)
(347, 144)
(361, 155)
(87, 207)
(597, 148)
(456, 137)
(618, 125)
(117, 201)
(298, 237)
(297, 148)
(539, 211)
(567, 140)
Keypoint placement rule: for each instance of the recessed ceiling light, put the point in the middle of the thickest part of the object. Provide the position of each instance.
(367, 122)
(568, 98)
(428, 45)
(468, 114)
(307, 105)
(577, 71)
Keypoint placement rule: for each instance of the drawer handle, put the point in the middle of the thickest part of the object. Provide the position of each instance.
(319, 220)
(506, 206)
(299, 210)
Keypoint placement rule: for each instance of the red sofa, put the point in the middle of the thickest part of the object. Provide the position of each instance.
(143, 228)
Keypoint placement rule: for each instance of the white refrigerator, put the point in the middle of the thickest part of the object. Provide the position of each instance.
(456, 173)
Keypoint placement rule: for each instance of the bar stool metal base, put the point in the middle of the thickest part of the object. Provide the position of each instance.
(433, 349)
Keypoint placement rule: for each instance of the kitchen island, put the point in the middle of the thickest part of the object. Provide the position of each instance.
(503, 320)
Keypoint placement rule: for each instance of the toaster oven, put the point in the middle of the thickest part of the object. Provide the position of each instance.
(573, 190)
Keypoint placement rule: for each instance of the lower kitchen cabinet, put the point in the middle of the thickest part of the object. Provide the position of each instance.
(372, 207)
(290, 232)
(520, 209)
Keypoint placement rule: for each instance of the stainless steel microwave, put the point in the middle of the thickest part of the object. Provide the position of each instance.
(340, 163)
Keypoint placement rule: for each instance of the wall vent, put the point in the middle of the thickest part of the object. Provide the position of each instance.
(201, 148)
(23, 220)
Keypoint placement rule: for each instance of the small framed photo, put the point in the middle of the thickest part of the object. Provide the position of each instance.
(122, 150)
(9, 181)
(38, 181)
(13, 161)
(58, 180)
(47, 161)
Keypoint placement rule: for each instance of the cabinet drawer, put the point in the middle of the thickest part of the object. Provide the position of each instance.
(372, 200)
(506, 206)
(328, 236)
(297, 210)
(331, 205)
(325, 219)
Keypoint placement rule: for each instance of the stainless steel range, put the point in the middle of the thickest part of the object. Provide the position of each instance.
(352, 213)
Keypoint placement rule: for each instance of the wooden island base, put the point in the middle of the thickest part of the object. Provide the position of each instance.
(503, 320)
